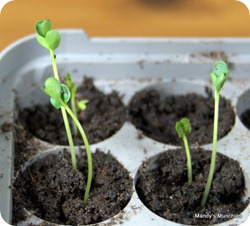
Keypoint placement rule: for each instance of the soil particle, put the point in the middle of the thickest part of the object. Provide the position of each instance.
(165, 191)
(105, 114)
(156, 116)
(7, 127)
(53, 191)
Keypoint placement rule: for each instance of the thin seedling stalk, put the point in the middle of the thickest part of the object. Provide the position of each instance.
(183, 128)
(70, 139)
(189, 161)
(65, 117)
(213, 158)
(73, 107)
(87, 148)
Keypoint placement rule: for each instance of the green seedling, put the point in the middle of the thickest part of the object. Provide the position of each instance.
(60, 95)
(50, 39)
(81, 105)
(183, 128)
(218, 76)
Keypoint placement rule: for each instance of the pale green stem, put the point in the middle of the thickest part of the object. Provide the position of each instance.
(70, 139)
(87, 148)
(213, 158)
(52, 56)
(65, 117)
(189, 161)
(73, 106)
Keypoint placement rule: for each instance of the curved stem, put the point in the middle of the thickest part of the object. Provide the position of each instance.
(73, 106)
(189, 161)
(87, 148)
(64, 115)
(213, 158)
(70, 139)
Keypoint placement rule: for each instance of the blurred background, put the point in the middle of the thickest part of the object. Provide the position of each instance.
(128, 18)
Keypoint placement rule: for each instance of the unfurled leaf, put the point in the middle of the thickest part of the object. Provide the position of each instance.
(42, 27)
(53, 88)
(55, 103)
(59, 93)
(41, 40)
(53, 39)
(46, 37)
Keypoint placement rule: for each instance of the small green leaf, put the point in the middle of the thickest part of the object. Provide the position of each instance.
(219, 75)
(70, 83)
(65, 93)
(55, 103)
(59, 93)
(41, 40)
(46, 37)
(42, 27)
(53, 39)
(183, 127)
(82, 104)
(53, 88)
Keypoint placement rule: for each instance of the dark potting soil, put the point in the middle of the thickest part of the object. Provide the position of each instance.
(53, 191)
(165, 191)
(105, 114)
(156, 116)
(245, 118)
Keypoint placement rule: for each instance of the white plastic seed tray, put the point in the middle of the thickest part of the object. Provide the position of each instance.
(126, 65)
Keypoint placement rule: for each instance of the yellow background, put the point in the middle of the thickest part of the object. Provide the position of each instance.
(128, 18)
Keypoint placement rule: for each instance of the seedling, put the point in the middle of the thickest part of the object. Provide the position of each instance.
(81, 105)
(183, 128)
(60, 95)
(50, 39)
(218, 77)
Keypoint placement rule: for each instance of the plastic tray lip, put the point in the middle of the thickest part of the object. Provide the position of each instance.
(137, 40)
(143, 51)
(132, 40)
(101, 46)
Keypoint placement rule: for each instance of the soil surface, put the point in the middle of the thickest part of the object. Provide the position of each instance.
(165, 191)
(24, 146)
(245, 118)
(53, 191)
(156, 116)
(105, 114)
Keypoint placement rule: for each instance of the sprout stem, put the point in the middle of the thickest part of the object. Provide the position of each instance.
(87, 148)
(183, 128)
(73, 106)
(213, 158)
(52, 56)
(70, 139)
(64, 115)
(189, 161)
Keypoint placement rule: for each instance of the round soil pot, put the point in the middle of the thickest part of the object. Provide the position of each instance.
(51, 190)
(243, 108)
(155, 111)
(104, 115)
(245, 118)
(162, 186)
